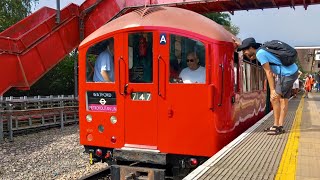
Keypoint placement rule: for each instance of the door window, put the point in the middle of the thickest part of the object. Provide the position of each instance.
(187, 60)
(140, 57)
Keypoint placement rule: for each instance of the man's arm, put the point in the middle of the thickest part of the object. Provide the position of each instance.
(300, 73)
(105, 76)
(107, 67)
(269, 74)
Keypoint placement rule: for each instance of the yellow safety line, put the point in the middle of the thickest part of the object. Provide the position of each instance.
(288, 164)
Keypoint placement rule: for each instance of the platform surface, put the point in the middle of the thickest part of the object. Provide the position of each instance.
(256, 155)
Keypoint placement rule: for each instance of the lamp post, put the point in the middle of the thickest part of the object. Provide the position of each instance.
(58, 12)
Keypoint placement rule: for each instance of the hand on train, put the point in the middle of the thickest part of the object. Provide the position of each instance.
(236, 43)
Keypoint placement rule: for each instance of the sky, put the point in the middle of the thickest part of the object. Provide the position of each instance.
(297, 27)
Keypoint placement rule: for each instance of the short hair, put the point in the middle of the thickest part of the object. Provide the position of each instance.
(194, 54)
(110, 42)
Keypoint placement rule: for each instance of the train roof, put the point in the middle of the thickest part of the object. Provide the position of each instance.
(169, 17)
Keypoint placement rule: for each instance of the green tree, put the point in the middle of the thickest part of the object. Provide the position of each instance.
(223, 19)
(12, 11)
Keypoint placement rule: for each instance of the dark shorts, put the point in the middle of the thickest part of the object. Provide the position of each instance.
(285, 84)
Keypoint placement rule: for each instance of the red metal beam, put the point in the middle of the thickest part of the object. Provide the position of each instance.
(292, 4)
(205, 8)
(305, 5)
(274, 3)
(238, 4)
(256, 4)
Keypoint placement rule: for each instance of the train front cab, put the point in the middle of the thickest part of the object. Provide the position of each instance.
(148, 107)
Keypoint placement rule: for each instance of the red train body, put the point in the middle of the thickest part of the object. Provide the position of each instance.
(147, 108)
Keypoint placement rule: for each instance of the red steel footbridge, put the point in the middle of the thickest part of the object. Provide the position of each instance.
(31, 47)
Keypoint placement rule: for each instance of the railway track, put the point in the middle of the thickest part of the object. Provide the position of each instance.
(103, 174)
(128, 173)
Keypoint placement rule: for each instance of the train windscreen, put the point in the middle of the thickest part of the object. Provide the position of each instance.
(187, 55)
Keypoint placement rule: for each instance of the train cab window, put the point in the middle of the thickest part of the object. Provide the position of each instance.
(187, 60)
(100, 62)
(140, 57)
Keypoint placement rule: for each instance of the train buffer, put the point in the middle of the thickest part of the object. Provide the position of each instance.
(256, 155)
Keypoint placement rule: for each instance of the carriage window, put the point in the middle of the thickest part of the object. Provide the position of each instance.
(254, 78)
(260, 73)
(246, 72)
(100, 63)
(248, 76)
(187, 60)
(236, 71)
(140, 57)
(244, 79)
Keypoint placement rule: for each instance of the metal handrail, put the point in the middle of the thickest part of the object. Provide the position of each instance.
(21, 113)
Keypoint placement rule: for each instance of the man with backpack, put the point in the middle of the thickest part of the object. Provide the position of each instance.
(277, 58)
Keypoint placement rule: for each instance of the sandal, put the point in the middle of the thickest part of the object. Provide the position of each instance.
(275, 131)
(272, 128)
(281, 129)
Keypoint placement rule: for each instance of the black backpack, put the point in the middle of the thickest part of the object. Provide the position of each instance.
(286, 53)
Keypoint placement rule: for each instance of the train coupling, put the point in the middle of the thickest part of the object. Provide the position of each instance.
(136, 173)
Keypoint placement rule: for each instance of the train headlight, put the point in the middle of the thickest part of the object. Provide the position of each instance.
(113, 119)
(88, 117)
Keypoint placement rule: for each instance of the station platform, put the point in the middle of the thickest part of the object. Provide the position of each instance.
(256, 155)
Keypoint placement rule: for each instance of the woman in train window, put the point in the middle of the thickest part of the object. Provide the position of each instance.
(194, 73)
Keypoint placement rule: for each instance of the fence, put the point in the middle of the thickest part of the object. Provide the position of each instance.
(24, 113)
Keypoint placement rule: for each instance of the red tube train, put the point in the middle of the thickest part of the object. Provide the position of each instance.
(178, 93)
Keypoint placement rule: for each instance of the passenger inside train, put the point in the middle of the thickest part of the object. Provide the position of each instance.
(187, 60)
(140, 58)
(194, 73)
(175, 68)
(104, 65)
(100, 62)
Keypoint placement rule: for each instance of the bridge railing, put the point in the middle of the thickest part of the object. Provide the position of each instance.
(23, 113)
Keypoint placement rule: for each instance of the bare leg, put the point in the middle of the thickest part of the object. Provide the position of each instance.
(276, 110)
(306, 94)
(283, 110)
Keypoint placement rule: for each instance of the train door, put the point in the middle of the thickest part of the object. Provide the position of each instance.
(183, 106)
(138, 87)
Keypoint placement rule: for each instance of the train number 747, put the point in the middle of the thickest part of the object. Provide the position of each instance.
(141, 96)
